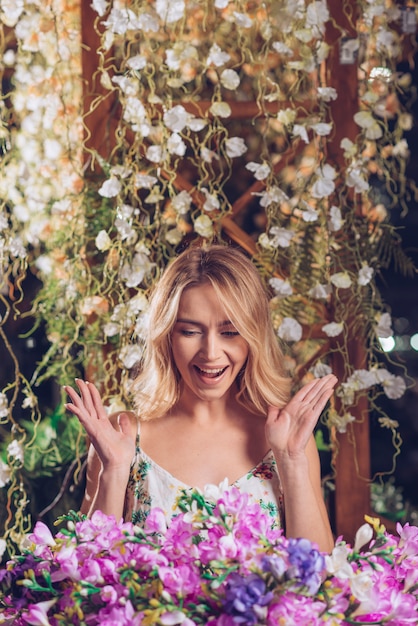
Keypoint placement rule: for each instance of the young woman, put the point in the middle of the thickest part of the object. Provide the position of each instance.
(212, 403)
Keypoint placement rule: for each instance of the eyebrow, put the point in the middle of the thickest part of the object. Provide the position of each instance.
(182, 320)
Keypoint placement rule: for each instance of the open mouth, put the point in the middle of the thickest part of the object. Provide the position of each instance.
(210, 372)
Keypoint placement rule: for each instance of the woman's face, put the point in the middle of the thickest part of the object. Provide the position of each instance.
(207, 349)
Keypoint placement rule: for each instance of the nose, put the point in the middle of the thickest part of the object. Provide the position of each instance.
(211, 346)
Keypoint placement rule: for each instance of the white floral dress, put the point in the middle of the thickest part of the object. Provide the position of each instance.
(150, 485)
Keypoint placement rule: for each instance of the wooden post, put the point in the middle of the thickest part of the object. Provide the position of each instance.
(352, 461)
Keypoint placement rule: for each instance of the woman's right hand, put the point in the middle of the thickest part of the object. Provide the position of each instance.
(115, 446)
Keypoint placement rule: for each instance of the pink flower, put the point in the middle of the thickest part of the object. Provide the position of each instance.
(180, 580)
(38, 613)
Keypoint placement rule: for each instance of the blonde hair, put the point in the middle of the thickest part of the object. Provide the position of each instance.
(240, 291)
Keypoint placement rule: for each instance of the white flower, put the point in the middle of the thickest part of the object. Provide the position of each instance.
(130, 356)
(220, 109)
(281, 48)
(137, 62)
(324, 185)
(174, 236)
(280, 237)
(176, 145)
(260, 170)
(320, 291)
(394, 387)
(203, 226)
(15, 450)
(216, 56)
(281, 287)
(341, 280)
(103, 241)
(362, 585)
(384, 325)
(211, 203)
(286, 116)
(340, 422)
(316, 15)
(319, 370)
(144, 181)
(230, 79)
(235, 147)
(135, 114)
(242, 20)
(181, 202)
(272, 194)
(309, 214)
(176, 118)
(337, 562)
(363, 535)
(5, 472)
(365, 275)
(300, 131)
(4, 405)
(356, 177)
(321, 128)
(11, 11)
(3, 544)
(170, 10)
(213, 493)
(333, 329)
(100, 6)
(349, 147)
(155, 154)
(365, 120)
(401, 149)
(134, 273)
(110, 188)
(327, 93)
(290, 330)
(335, 220)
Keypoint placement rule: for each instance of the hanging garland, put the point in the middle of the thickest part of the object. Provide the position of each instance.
(206, 102)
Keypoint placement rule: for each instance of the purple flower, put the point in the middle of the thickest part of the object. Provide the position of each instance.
(306, 564)
(246, 598)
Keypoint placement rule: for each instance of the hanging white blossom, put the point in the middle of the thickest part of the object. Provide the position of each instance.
(110, 188)
(260, 170)
(365, 275)
(103, 241)
(170, 10)
(235, 147)
(384, 325)
(300, 131)
(335, 221)
(333, 329)
(15, 450)
(230, 79)
(5, 472)
(216, 56)
(290, 330)
(324, 185)
(320, 369)
(281, 287)
(203, 226)
(320, 291)
(327, 93)
(181, 203)
(130, 356)
(220, 109)
(341, 280)
(176, 118)
(212, 202)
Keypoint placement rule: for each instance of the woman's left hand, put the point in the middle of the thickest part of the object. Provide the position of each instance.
(288, 430)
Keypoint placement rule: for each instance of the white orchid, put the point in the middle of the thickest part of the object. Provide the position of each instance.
(203, 226)
(290, 330)
(281, 287)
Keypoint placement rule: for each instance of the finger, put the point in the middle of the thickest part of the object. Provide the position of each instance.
(96, 400)
(309, 391)
(84, 389)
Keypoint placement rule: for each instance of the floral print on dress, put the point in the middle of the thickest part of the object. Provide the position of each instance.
(150, 485)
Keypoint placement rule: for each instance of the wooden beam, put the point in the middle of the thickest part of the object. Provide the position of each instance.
(352, 449)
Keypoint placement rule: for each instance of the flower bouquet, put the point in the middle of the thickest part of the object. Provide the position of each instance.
(218, 563)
